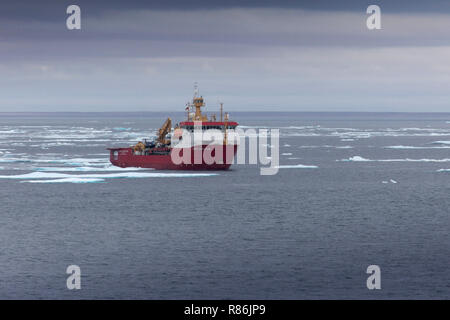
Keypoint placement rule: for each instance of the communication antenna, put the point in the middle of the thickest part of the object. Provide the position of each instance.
(188, 109)
(195, 89)
(221, 109)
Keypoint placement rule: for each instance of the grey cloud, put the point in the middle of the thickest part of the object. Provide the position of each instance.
(254, 59)
(224, 32)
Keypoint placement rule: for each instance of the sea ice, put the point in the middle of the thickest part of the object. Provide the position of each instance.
(296, 166)
(67, 180)
(56, 175)
(86, 169)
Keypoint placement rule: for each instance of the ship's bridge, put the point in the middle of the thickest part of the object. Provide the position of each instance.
(207, 125)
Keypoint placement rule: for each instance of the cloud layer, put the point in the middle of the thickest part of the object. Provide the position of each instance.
(254, 58)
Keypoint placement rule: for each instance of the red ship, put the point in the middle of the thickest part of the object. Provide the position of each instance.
(159, 153)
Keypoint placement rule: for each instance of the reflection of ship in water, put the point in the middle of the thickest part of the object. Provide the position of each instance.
(157, 153)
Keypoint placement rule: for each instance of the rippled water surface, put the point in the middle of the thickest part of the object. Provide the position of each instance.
(352, 190)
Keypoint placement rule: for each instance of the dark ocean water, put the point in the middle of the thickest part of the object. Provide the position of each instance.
(300, 234)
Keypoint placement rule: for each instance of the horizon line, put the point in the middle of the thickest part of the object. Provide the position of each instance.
(253, 111)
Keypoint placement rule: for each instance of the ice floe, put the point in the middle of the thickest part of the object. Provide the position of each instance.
(56, 175)
(87, 169)
(350, 134)
(68, 180)
(296, 166)
(325, 146)
(441, 142)
(390, 181)
(356, 159)
(414, 147)
(71, 161)
(361, 159)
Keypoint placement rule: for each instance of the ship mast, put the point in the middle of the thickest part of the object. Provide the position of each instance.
(225, 139)
(198, 104)
(188, 109)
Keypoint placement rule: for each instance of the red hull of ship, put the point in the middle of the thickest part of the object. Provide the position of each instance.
(125, 157)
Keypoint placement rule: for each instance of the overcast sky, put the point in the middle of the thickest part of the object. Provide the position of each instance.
(252, 55)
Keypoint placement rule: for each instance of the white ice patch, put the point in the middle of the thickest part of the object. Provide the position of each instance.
(251, 127)
(67, 180)
(361, 159)
(356, 159)
(414, 160)
(51, 144)
(12, 160)
(351, 134)
(313, 147)
(325, 146)
(443, 170)
(442, 142)
(87, 169)
(296, 166)
(55, 175)
(72, 162)
(413, 147)
(286, 154)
